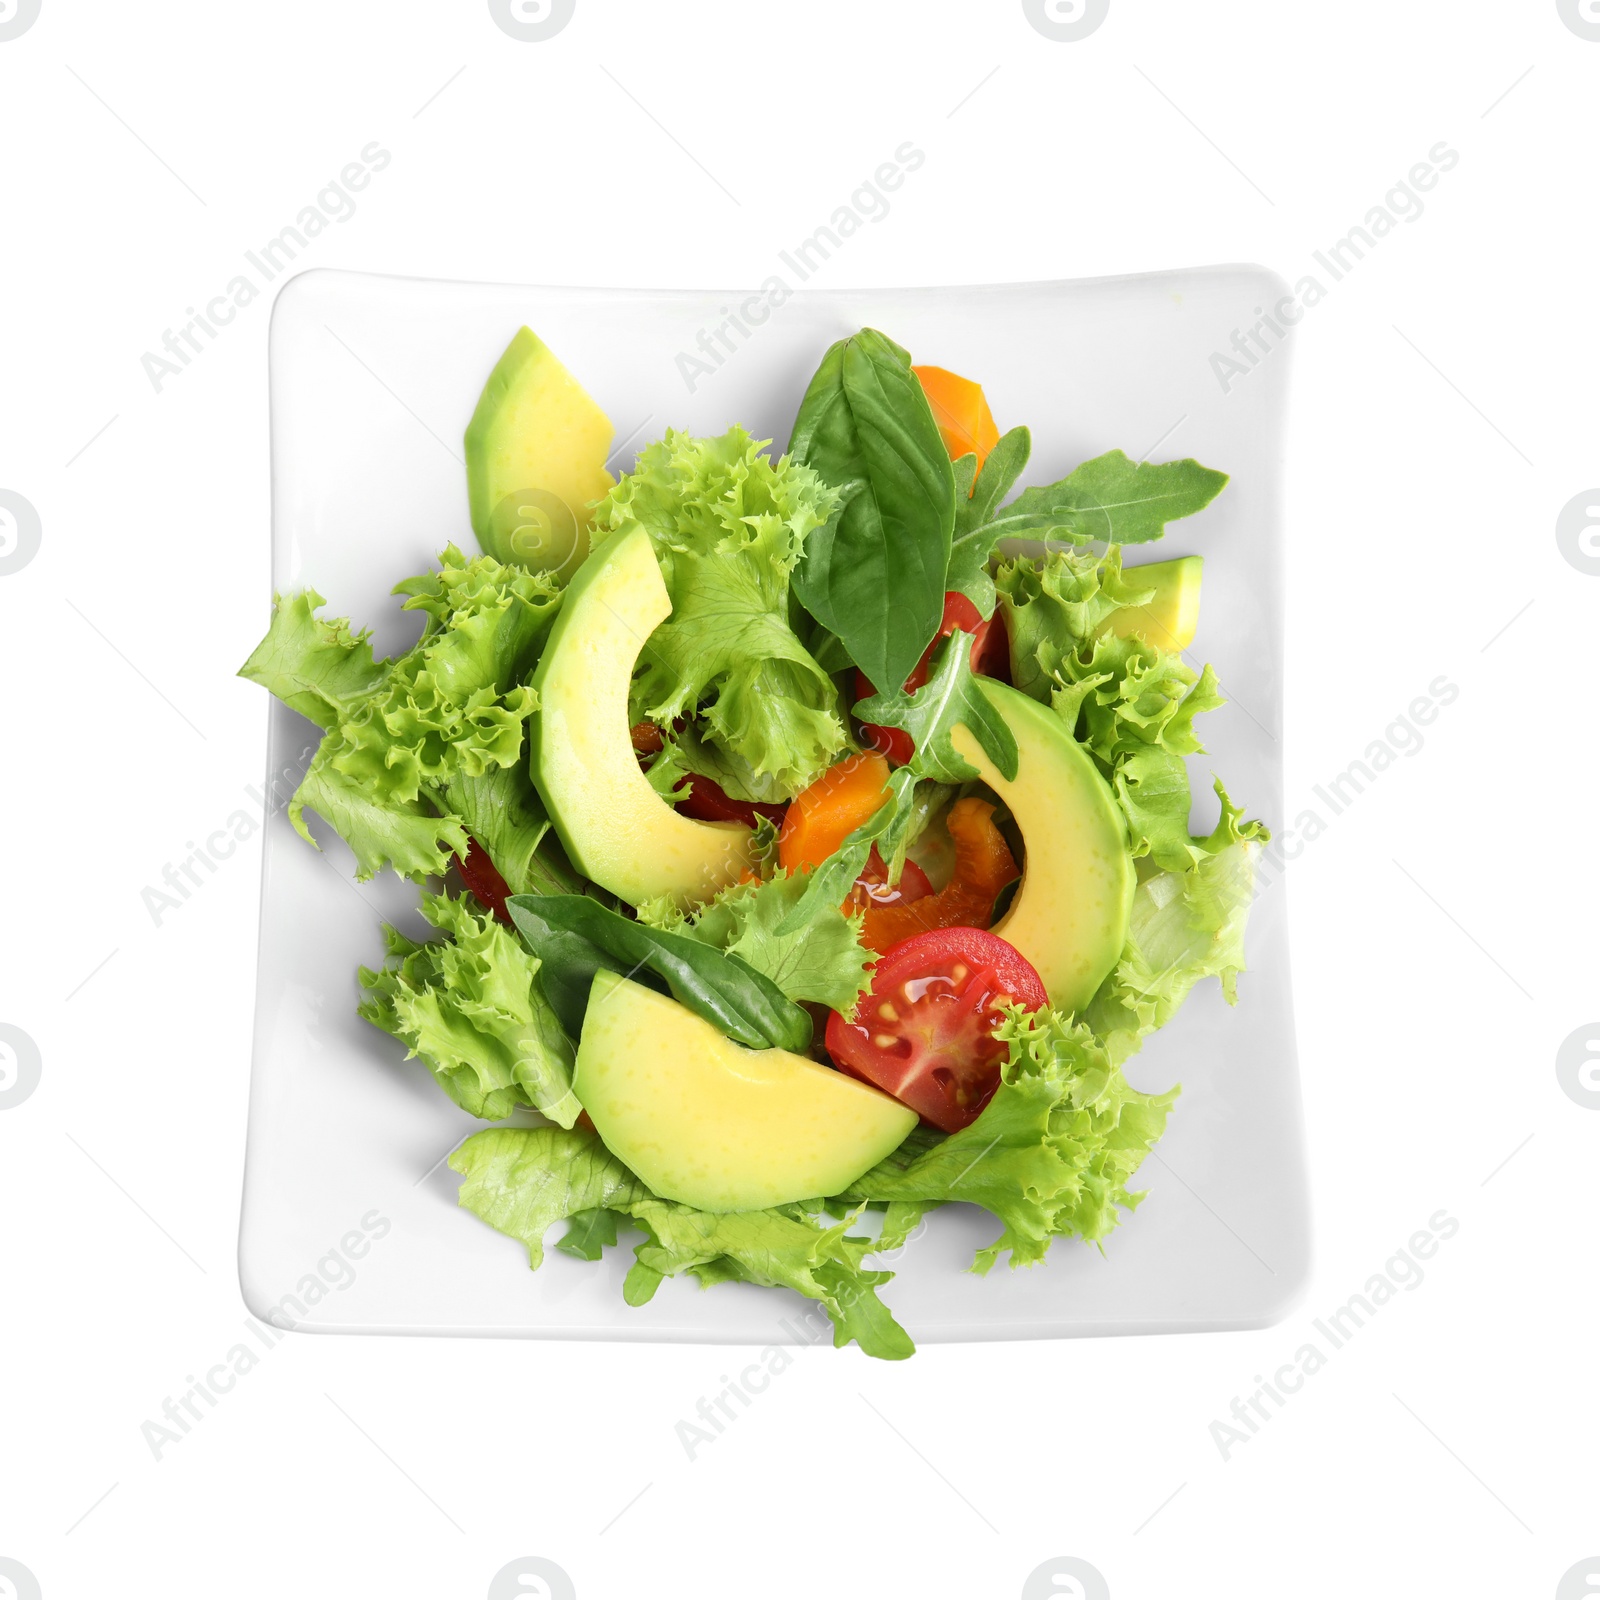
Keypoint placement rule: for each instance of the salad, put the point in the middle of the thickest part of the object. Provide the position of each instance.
(802, 853)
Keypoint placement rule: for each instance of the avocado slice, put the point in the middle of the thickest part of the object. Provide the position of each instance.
(1070, 914)
(536, 460)
(1168, 619)
(706, 1122)
(616, 828)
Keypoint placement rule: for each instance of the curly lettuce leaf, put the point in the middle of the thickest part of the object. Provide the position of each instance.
(823, 962)
(1185, 926)
(470, 1006)
(409, 742)
(1130, 703)
(523, 1181)
(409, 839)
(317, 666)
(1051, 1155)
(728, 527)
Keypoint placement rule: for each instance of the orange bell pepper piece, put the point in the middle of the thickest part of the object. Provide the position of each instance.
(966, 424)
(984, 866)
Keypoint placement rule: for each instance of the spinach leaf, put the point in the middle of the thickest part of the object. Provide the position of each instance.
(952, 695)
(574, 937)
(975, 531)
(1111, 498)
(874, 574)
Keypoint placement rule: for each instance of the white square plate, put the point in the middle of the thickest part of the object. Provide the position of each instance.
(373, 380)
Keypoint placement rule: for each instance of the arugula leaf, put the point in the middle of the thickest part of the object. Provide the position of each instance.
(824, 962)
(1050, 1156)
(727, 527)
(952, 696)
(975, 534)
(1111, 498)
(470, 1007)
(575, 937)
(828, 884)
(875, 573)
(522, 1181)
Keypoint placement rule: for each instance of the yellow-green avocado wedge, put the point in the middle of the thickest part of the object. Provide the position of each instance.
(1170, 616)
(615, 827)
(706, 1122)
(1070, 914)
(536, 451)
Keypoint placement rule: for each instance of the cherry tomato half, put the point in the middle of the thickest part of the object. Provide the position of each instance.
(959, 613)
(873, 891)
(924, 1032)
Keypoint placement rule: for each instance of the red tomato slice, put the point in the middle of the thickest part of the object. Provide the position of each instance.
(483, 878)
(924, 1032)
(707, 803)
(959, 613)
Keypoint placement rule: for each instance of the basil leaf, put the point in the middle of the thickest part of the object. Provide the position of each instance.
(1111, 498)
(874, 574)
(975, 532)
(575, 937)
(829, 883)
(952, 695)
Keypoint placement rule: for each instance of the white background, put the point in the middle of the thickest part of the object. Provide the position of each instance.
(1444, 938)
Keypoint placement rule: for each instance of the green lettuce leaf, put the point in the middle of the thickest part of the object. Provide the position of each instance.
(317, 667)
(728, 527)
(1130, 703)
(407, 740)
(523, 1181)
(1185, 926)
(471, 1008)
(823, 962)
(408, 838)
(1051, 1155)
(1113, 499)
